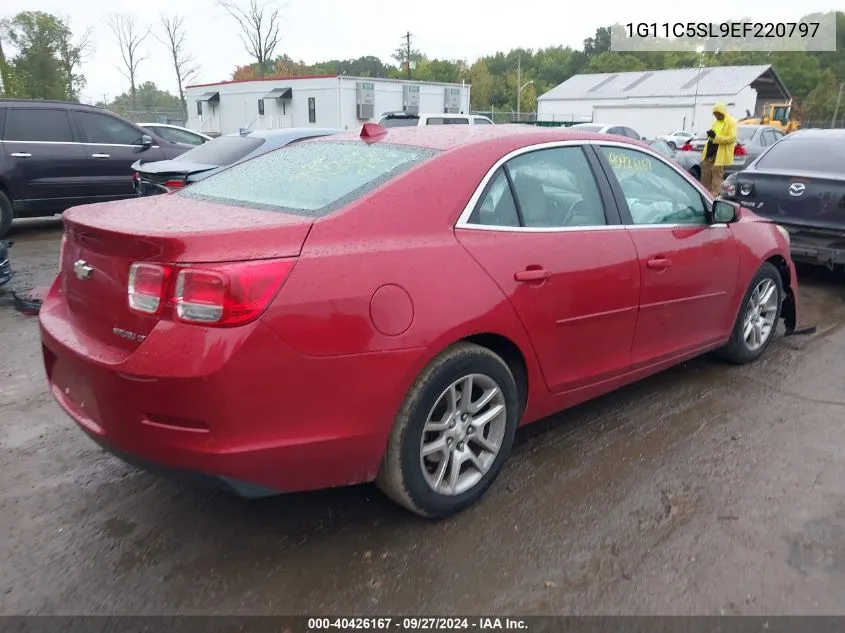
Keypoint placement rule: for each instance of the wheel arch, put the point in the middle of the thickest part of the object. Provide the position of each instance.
(790, 308)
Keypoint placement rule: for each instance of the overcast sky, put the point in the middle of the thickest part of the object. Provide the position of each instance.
(317, 30)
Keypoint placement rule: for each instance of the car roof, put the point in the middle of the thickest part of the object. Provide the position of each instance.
(447, 137)
(819, 133)
(48, 103)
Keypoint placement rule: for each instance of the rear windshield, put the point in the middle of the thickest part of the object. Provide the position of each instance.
(401, 121)
(223, 150)
(811, 153)
(311, 179)
(745, 133)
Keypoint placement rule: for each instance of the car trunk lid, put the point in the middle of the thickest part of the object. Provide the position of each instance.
(102, 241)
(794, 198)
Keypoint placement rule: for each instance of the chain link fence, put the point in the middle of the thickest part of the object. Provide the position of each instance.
(823, 125)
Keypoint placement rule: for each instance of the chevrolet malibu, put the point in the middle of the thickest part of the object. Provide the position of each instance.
(390, 306)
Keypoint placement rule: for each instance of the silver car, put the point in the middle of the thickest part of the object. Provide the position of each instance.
(752, 140)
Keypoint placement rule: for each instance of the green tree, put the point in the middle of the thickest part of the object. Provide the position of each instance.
(482, 85)
(609, 62)
(148, 97)
(36, 36)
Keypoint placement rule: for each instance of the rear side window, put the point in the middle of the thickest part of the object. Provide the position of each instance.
(178, 136)
(38, 124)
(480, 121)
(399, 121)
(311, 179)
(447, 121)
(824, 153)
(224, 150)
(745, 133)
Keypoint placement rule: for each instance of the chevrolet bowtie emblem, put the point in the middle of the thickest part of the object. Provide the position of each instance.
(82, 270)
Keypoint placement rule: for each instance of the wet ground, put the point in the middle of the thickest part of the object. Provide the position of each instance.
(707, 489)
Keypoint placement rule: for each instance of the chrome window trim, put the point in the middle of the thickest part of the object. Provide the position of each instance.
(463, 218)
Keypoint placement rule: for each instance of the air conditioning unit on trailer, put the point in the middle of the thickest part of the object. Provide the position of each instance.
(411, 98)
(452, 104)
(365, 100)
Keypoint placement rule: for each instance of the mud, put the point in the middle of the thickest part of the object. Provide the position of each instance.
(707, 489)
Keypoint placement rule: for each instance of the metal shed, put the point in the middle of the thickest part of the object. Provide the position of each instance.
(662, 101)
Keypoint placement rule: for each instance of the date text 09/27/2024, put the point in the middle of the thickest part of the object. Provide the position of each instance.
(737, 30)
(417, 624)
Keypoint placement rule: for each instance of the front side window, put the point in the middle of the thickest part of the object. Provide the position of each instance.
(310, 179)
(38, 124)
(106, 130)
(654, 192)
(550, 188)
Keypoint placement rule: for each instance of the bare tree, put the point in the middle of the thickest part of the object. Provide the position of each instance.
(72, 54)
(129, 37)
(259, 24)
(183, 62)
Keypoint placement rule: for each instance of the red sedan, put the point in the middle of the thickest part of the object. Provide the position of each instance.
(391, 306)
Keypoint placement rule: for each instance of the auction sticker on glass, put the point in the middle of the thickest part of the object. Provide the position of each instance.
(769, 33)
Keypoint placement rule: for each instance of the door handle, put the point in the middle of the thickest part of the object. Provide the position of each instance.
(100, 156)
(659, 263)
(21, 154)
(532, 274)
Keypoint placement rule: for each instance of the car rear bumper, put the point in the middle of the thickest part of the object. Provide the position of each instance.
(817, 248)
(239, 409)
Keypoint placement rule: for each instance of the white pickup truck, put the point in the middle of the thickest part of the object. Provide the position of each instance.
(401, 119)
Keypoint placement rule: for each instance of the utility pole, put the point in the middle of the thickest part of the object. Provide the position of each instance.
(700, 50)
(408, 52)
(838, 101)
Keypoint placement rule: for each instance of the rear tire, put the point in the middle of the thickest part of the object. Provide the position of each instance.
(453, 434)
(758, 318)
(6, 214)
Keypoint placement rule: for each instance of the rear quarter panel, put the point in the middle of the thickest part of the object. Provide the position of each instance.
(393, 259)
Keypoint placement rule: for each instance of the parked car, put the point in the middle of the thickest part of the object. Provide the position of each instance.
(404, 119)
(168, 175)
(176, 133)
(56, 154)
(799, 182)
(691, 161)
(752, 140)
(608, 128)
(390, 307)
(5, 263)
(676, 139)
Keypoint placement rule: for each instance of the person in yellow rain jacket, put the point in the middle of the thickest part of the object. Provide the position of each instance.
(718, 152)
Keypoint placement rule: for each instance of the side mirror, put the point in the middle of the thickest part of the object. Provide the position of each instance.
(724, 212)
(146, 141)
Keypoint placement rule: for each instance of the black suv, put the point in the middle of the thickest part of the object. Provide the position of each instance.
(55, 155)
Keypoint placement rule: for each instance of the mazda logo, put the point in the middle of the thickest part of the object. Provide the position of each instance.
(797, 189)
(82, 270)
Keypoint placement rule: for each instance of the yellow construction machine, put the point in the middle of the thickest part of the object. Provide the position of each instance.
(775, 114)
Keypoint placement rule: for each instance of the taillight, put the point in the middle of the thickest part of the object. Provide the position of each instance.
(728, 189)
(147, 285)
(739, 150)
(686, 147)
(176, 183)
(222, 295)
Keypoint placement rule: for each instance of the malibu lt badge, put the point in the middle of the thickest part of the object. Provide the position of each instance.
(82, 270)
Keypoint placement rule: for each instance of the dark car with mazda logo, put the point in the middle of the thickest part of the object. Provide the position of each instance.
(799, 182)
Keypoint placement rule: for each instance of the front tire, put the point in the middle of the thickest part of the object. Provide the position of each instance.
(453, 434)
(758, 317)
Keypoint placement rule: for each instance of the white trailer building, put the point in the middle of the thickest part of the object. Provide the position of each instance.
(662, 101)
(324, 101)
